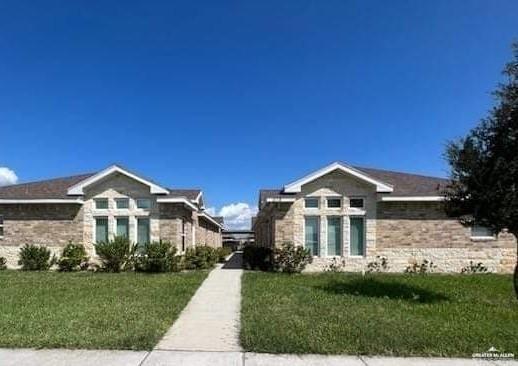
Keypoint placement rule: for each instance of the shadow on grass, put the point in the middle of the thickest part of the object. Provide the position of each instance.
(371, 287)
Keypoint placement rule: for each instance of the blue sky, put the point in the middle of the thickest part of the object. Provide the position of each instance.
(232, 96)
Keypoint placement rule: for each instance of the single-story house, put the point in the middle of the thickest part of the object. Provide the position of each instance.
(353, 214)
(95, 207)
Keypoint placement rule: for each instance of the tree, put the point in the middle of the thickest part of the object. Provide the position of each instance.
(484, 165)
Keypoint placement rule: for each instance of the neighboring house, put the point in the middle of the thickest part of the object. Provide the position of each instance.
(355, 214)
(95, 207)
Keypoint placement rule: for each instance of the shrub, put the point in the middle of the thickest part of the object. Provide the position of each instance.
(425, 266)
(474, 268)
(200, 257)
(73, 258)
(116, 255)
(223, 253)
(35, 258)
(290, 258)
(336, 265)
(158, 256)
(378, 265)
(3, 264)
(257, 258)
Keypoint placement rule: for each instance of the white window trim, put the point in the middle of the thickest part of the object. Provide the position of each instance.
(334, 198)
(319, 240)
(364, 237)
(341, 217)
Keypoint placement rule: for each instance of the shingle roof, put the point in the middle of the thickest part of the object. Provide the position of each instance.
(404, 184)
(219, 219)
(57, 189)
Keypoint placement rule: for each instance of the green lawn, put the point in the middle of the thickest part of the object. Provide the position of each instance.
(91, 310)
(389, 314)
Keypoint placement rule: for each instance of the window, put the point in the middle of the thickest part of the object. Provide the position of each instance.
(144, 203)
(183, 235)
(357, 236)
(122, 203)
(1, 226)
(101, 229)
(123, 226)
(311, 203)
(312, 235)
(142, 231)
(101, 203)
(356, 202)
(334, 203)
(478, 231)
(334, 236)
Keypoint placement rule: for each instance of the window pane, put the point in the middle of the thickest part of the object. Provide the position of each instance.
(101, 203)
(1, 231)
(357, 236)
(356, 202)
(123, 226)
(144, 203)
(312, 229)
(101, 229)
(1, 219)
(334, 236)
(481, 231)
(334, 202)
(142, 231)
(311, 202)
(122, 203)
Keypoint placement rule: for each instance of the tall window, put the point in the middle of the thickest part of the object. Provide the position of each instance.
(123, 226)
(334, 236)
(1, 226)
(357, 239)
(142, 231)
(183, 235)
(312, 235)
(101, 229)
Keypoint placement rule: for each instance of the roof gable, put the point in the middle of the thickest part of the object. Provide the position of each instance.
(78, 188)
(295, 187)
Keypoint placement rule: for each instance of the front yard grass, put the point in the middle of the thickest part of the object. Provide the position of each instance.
(91, 310)
(385, 314)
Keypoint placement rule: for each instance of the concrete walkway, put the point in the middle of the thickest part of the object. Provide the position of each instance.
(59, 357)
(210, 322)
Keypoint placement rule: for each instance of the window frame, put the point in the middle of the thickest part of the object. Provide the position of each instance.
(341, 228)
(117, 218)
(143, 199)
(481, 237)
(97, 200)
(319, 239)
(356, 207)
(2, 227)
(107, 228)
(317, 199)
(334, 198)
(364, 235)
(139, 218)
(122, 199)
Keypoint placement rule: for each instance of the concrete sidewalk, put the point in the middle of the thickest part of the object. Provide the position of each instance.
(58, 357)
(210, 322)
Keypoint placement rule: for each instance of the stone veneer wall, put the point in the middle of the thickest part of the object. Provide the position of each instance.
(208, 234)
(51, 225)
(176, 224)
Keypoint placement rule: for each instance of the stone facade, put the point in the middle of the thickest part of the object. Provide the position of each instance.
(54, 225)
(403, 232)
(208, 234)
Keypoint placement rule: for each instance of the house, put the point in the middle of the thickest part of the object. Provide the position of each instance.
(95, 207)
(355, 214)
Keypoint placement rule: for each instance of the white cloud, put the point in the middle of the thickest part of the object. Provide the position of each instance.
(7, 176)
(236, 215)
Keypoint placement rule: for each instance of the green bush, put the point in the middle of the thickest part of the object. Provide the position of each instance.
(223, 253)
(116, 255)
(3, 264)
(290, 258)
(158, 256)
(35, 258)
(257, 258)
(201, 257)
(73, 258)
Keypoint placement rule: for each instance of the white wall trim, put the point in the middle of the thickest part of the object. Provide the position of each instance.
(412, 198)
(42, 201)
(185, 201)
(296, 186)
(77, 189)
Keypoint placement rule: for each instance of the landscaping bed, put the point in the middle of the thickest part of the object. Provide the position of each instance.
(384, 314)
(91, 310)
